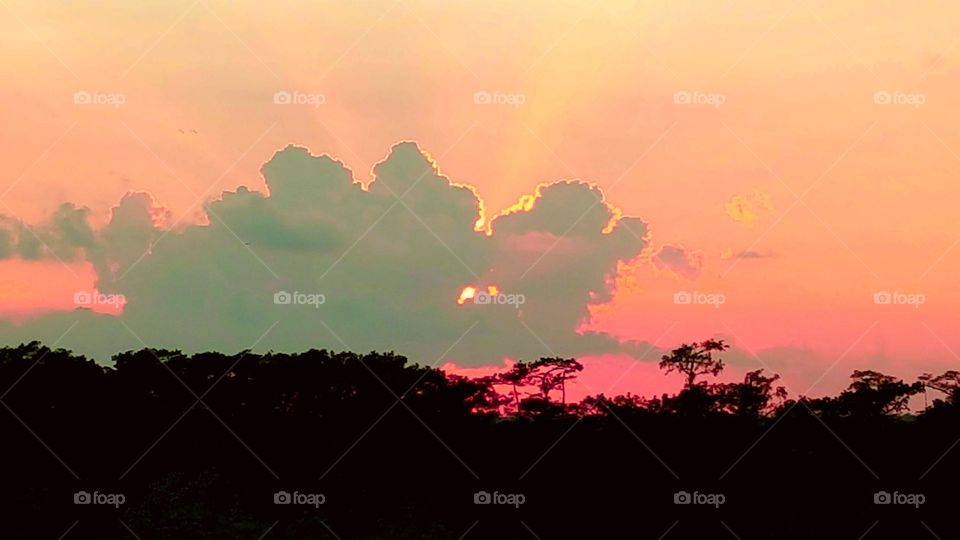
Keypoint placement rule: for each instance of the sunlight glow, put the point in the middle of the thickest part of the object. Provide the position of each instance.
(470, 292)
(467, 293)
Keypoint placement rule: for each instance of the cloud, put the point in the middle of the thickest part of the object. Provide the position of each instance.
(728, 253)
(750, 254)
(748, 207)
(389, 260)
(679, 261)
(62, 237)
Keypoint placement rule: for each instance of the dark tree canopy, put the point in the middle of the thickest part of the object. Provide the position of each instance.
(199, 444)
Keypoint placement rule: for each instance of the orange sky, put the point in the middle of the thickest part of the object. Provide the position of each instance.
(835, 191)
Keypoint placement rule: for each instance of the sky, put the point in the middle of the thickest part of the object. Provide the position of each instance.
(628, 175)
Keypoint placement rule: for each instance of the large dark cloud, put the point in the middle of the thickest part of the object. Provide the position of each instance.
(390, 271)
(63, 236)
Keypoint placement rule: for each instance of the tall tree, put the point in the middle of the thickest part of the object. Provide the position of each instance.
(548, 374)
(516, 377)
(694, 359)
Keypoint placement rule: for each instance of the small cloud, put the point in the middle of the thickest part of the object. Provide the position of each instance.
(679, 261)
(749, 207)
(728, 253)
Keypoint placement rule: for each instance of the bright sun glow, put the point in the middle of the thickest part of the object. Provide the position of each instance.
(469, 292)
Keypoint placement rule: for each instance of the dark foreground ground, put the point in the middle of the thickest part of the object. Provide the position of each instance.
(320, 446)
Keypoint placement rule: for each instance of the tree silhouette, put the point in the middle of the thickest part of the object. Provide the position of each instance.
(694, 359)
(874, 394)
(399, 437)
(754, 397)
(948, 383)
(516, 377)
(547, 374)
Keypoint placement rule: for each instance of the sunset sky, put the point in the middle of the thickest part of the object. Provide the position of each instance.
(789, 167)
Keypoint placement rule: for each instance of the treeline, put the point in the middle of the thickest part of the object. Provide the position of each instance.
(323, 444)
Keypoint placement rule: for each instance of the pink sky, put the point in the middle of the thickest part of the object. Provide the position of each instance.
(831, 160)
